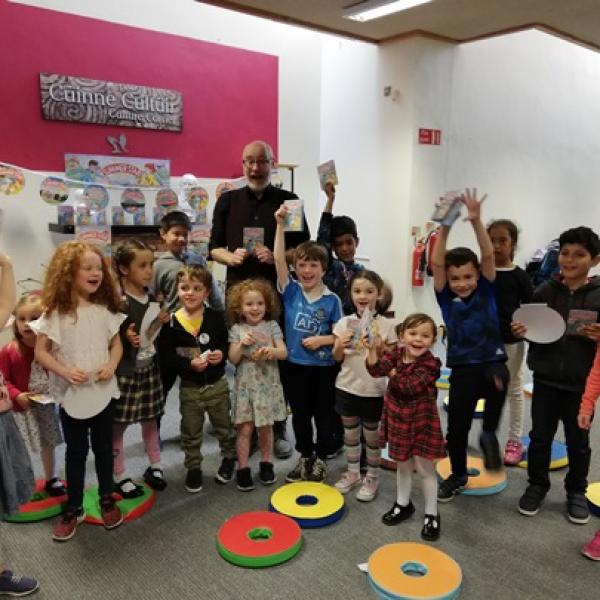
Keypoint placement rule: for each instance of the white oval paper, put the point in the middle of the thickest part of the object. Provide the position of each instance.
(89, 399)
(544, 324)
(150, 326)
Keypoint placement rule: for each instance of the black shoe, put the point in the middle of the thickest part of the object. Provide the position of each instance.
(121, 489)
(431, 528)
(267, 474)
(193, 481)
(488, 442)
(577, 508)
(531, 500)
(55, 487)
(398, 513)
(451, 486)
(244, 481)
(154, 478)
(225, 472)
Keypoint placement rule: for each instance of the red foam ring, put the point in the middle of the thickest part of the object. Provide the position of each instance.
(39, 505)
(233, 535)
(138, 511)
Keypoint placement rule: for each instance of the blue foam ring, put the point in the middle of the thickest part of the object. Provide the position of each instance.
(452, 595)
(315, 523)
(558, 454)
(594, 509)
(488, 491)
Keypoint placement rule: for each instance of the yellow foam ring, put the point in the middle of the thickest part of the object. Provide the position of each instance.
(528, 389)
(328, 500)
(443, 574)
(485, 479)
(593, 493)
(479, 408)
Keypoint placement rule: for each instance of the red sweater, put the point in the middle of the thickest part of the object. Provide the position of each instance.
(15, 364)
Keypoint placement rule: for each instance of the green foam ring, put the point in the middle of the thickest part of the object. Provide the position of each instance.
(33, 516)
(254, 562)
(91, 503)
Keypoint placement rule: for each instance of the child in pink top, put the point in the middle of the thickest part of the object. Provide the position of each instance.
(584, 420)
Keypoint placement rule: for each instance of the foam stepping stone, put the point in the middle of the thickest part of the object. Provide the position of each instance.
(310, 504)
(593, 497)
(479, 408)
(41, 506)
(132, 508)
(480, 482)
(558, 454)
(443, 383)
(411, 571)
(259, 539)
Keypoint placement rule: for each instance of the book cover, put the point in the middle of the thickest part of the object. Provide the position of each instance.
(253, 237)
(294, 220)
(327, 174)
(578, 319)
(447, 210)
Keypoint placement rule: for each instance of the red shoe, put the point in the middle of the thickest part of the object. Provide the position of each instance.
(592, 548)
(111, 514)
(67, 525)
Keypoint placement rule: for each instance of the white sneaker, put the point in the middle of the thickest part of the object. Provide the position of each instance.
(349, 480)
(368, 489)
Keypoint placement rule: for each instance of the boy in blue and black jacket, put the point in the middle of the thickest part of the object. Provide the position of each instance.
(560, 370)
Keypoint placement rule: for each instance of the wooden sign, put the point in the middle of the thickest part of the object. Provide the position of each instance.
(81, 100)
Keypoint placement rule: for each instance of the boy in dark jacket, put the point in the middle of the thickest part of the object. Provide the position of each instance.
(560, 370)
(194, 345)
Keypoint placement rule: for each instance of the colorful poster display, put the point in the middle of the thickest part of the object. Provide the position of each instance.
(132, 200)
(54, 190)
(99, 235)
(12, 180)
(118, 170)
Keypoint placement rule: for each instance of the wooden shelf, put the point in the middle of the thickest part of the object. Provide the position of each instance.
(70, 229)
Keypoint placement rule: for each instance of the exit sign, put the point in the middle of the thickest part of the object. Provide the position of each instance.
(430, 136)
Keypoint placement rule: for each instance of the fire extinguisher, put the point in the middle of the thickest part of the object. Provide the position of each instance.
(431, 240)
(418, 273)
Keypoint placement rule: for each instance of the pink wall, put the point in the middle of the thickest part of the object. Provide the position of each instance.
(230, 96)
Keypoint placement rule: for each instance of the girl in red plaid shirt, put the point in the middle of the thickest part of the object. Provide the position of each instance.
(410, 423)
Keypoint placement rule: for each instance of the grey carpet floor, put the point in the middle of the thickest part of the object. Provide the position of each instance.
(170, 552)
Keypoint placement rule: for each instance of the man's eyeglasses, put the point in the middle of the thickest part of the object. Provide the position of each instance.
(260, 162)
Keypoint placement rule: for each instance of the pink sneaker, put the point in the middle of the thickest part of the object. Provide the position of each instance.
(348, 481)
(592, 548)
(513, 453)
(368, 489)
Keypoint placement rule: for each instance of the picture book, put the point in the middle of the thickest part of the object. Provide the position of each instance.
(294, 220)
(327, 174)
(447, 210)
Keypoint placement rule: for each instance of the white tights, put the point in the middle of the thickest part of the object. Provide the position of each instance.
(404, 475)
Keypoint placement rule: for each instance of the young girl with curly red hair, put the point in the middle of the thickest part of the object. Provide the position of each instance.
(78, 342)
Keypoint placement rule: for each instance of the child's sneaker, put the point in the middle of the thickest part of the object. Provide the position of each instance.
(300, 471)
(155, 479)
(451, 486)
(349, 480)
(111, 514)
(531, 500)
(266, 474)
(592, 548)
(577, 508)
(67, 524)
(193, 481)
(318, 471)
(368, 489)
(431, 528)
(513, 453)
(490, 447)
(16, 585)
(244, 481)
(225, 472)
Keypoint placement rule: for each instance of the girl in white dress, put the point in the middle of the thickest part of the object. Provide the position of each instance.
(78, 342)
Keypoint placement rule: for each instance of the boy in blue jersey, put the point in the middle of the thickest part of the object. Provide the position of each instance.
(310, 311)
(464, 290)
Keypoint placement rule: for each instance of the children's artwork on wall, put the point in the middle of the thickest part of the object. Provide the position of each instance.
(12, 180)
(118, 170)
(201, 216)
(54, 190)
(224, 186)
(95, 197)
(166, 199)
(118, 216)
(197, 197)
(66, 215)
(132, 199)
